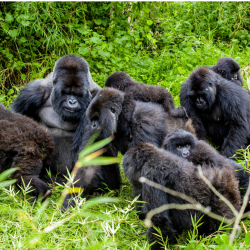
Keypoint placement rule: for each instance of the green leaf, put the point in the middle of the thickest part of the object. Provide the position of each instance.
(83, 51)
(89, 149)
(181, 70)
(247, 239)
(13, 33)
(25, 23)
(9, 18)
(98, 21)
(98, 161)
(5, 26)
(7, 173)
(23, 76)
(10, 92)
(149, 22)
(7, 183)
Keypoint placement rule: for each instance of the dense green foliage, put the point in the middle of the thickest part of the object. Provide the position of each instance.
(156, 43)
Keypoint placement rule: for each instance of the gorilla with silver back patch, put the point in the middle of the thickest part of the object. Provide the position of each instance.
(26, 145)
(145, 93)
(58, 102)
(178, 174)
(220, 110)
(229, 69)
(185, 145)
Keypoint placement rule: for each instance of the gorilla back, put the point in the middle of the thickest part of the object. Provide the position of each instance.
(130, 121)
(26, 145)
(171, 171)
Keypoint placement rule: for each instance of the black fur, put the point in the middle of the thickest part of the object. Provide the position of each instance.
(219, 110)
(58, 102)
(202, 153)
(26, 145)
(130, 121)
(229, 69)
(145, 93)
(171, 171)
(93, 178)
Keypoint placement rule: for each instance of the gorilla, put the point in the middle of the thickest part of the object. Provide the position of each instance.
(178, 174)
(131, 122)
(145, 93)
(58, 102)
(229, 69)
(96, 178)
(25, 145)
(185, 145)
(219, 110)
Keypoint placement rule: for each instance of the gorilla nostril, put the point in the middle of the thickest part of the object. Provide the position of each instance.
(72, 102)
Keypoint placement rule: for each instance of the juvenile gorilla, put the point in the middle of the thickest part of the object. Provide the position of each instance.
(96, 178)
(145, 93)
(58, 102)
(198, 152)
(171, 171)
(229, 69)
(220, 110)
(130, 121)
(26, 145)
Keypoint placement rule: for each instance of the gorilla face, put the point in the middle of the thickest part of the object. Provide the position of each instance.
(104, 111)
(70, 95)
(202, 88)
(180, 142)
(229, 69)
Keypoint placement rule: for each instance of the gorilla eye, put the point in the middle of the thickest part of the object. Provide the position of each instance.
(223, 72)
(112, 110)
(186, 145)
(179, 146)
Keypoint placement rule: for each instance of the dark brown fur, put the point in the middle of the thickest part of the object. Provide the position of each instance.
(201, 153)
(171, 171)
(26, 145)
(145, 93)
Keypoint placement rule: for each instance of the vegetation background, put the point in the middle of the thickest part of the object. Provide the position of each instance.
(154, 42)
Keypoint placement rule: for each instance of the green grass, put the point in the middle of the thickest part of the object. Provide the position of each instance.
(169, 40)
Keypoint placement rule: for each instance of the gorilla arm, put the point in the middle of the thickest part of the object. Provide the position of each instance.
(236, 113)
(33, 97)
(188, 105)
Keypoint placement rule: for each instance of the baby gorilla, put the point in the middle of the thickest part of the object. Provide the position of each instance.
(171, 171)
(198, 152)
(229, 69)
(26, 145)
(145, 93)
(130, 121)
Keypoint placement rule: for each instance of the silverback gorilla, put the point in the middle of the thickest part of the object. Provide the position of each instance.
(229, 69)
(58, 102)
(220, 110)
(145, 93)
(185, 145)
(26, 145)
(178, 174)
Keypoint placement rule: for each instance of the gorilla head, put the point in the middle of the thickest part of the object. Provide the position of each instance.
(229, 69)
(119, 80)
(104, 110)
(202, 88)
(70, 95)
(180, 142)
